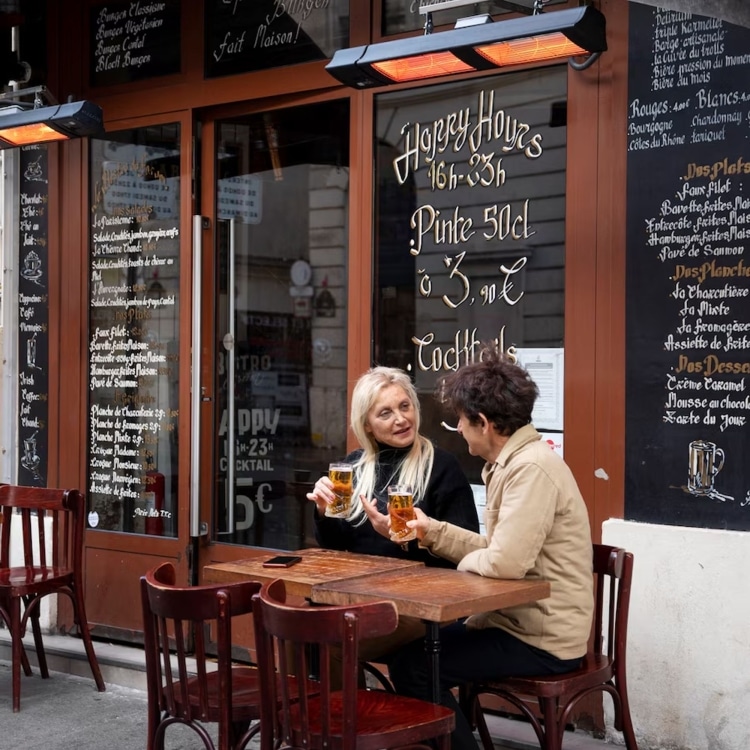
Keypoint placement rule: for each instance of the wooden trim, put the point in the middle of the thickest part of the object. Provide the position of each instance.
(595, 244)
(362, 14)
(580, 294)
(361, 202)
(72, 254)
(610, 269)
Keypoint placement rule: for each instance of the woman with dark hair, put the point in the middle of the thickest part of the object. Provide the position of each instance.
(537, 527)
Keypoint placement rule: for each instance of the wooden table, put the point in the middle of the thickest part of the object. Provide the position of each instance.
(317, 566)
(436, 595)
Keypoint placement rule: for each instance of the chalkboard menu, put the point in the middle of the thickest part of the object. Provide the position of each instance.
(245, 35)
(134, 331)
(688, 271)
(130, 41)
(33, 316)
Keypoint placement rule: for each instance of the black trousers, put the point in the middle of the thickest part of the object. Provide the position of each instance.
(469, 655)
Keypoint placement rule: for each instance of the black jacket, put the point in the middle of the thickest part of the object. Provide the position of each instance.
(448, 498)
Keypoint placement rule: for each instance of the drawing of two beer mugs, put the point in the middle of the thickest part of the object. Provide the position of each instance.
(400, 502)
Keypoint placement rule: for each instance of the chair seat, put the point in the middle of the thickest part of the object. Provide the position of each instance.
(245, 694)
(383, 720)
(25, 580)
(595, 669)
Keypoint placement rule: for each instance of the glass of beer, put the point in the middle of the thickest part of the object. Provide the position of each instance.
(401, 510)
(341, 476)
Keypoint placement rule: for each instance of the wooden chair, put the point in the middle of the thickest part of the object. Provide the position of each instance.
(344, 719)
(602, 669)
(54, 571)
(196, 694)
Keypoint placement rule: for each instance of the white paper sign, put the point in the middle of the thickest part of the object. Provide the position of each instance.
(546, 368)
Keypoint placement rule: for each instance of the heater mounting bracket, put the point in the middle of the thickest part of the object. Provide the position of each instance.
(39, 93)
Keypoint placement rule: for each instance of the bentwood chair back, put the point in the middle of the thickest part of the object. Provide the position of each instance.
(286, 636)
(603, 668)
(189, 686)
(51, 536)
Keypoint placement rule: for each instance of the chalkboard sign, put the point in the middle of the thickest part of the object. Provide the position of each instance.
(133, 347)
(33, 316)
(130, 41)
(688, 271)
(246, 35)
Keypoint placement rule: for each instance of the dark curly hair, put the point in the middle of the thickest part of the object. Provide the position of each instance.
(493, 386)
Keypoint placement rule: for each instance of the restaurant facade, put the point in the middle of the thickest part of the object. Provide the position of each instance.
(189, 296)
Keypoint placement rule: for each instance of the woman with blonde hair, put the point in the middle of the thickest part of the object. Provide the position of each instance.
(385, 418)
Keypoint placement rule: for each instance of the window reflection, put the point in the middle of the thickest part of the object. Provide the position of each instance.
(281, 312)
(470, 216)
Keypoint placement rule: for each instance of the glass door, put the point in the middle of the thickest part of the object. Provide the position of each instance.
(275, 323)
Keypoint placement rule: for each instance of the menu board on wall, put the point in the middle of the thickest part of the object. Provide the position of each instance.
(246, 35)
(134, 332)
(688, 271)
(130, 41)
(33, 316)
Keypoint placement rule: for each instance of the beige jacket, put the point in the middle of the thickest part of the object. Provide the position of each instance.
(536, 526)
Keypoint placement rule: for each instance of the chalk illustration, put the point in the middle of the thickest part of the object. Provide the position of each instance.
(705, 461)
(33, 172)
(31, 459)
(31, 353)
(32, 267)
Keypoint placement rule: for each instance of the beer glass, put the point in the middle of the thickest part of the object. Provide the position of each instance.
(401, 510)
(341, 476)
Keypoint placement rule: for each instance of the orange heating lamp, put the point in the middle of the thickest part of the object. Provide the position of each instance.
(59, 122)
(472, 47)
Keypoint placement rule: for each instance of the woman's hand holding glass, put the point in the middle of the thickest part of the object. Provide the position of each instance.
(322, 494)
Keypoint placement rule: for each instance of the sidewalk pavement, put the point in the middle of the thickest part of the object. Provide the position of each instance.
(66, 712)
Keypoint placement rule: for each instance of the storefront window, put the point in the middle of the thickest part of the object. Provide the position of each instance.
(134, 330)
(404, 15)
(245, 35)
(470, 234)
(282, 197)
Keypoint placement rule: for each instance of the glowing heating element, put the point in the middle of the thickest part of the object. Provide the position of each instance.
(35, 133)
(530, 49)
(424, 66)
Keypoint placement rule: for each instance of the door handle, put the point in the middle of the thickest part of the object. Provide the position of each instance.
(197, 392)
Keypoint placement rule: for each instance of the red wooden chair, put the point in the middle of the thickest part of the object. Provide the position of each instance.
(57, 570)
(190, 687)
(603, 669)
(345, 719)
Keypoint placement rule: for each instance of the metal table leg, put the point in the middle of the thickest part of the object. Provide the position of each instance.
(432, 648)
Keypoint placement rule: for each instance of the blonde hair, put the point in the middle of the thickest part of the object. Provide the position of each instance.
(416, 467)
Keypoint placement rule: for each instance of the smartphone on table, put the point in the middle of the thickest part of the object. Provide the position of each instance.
(282, 561)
